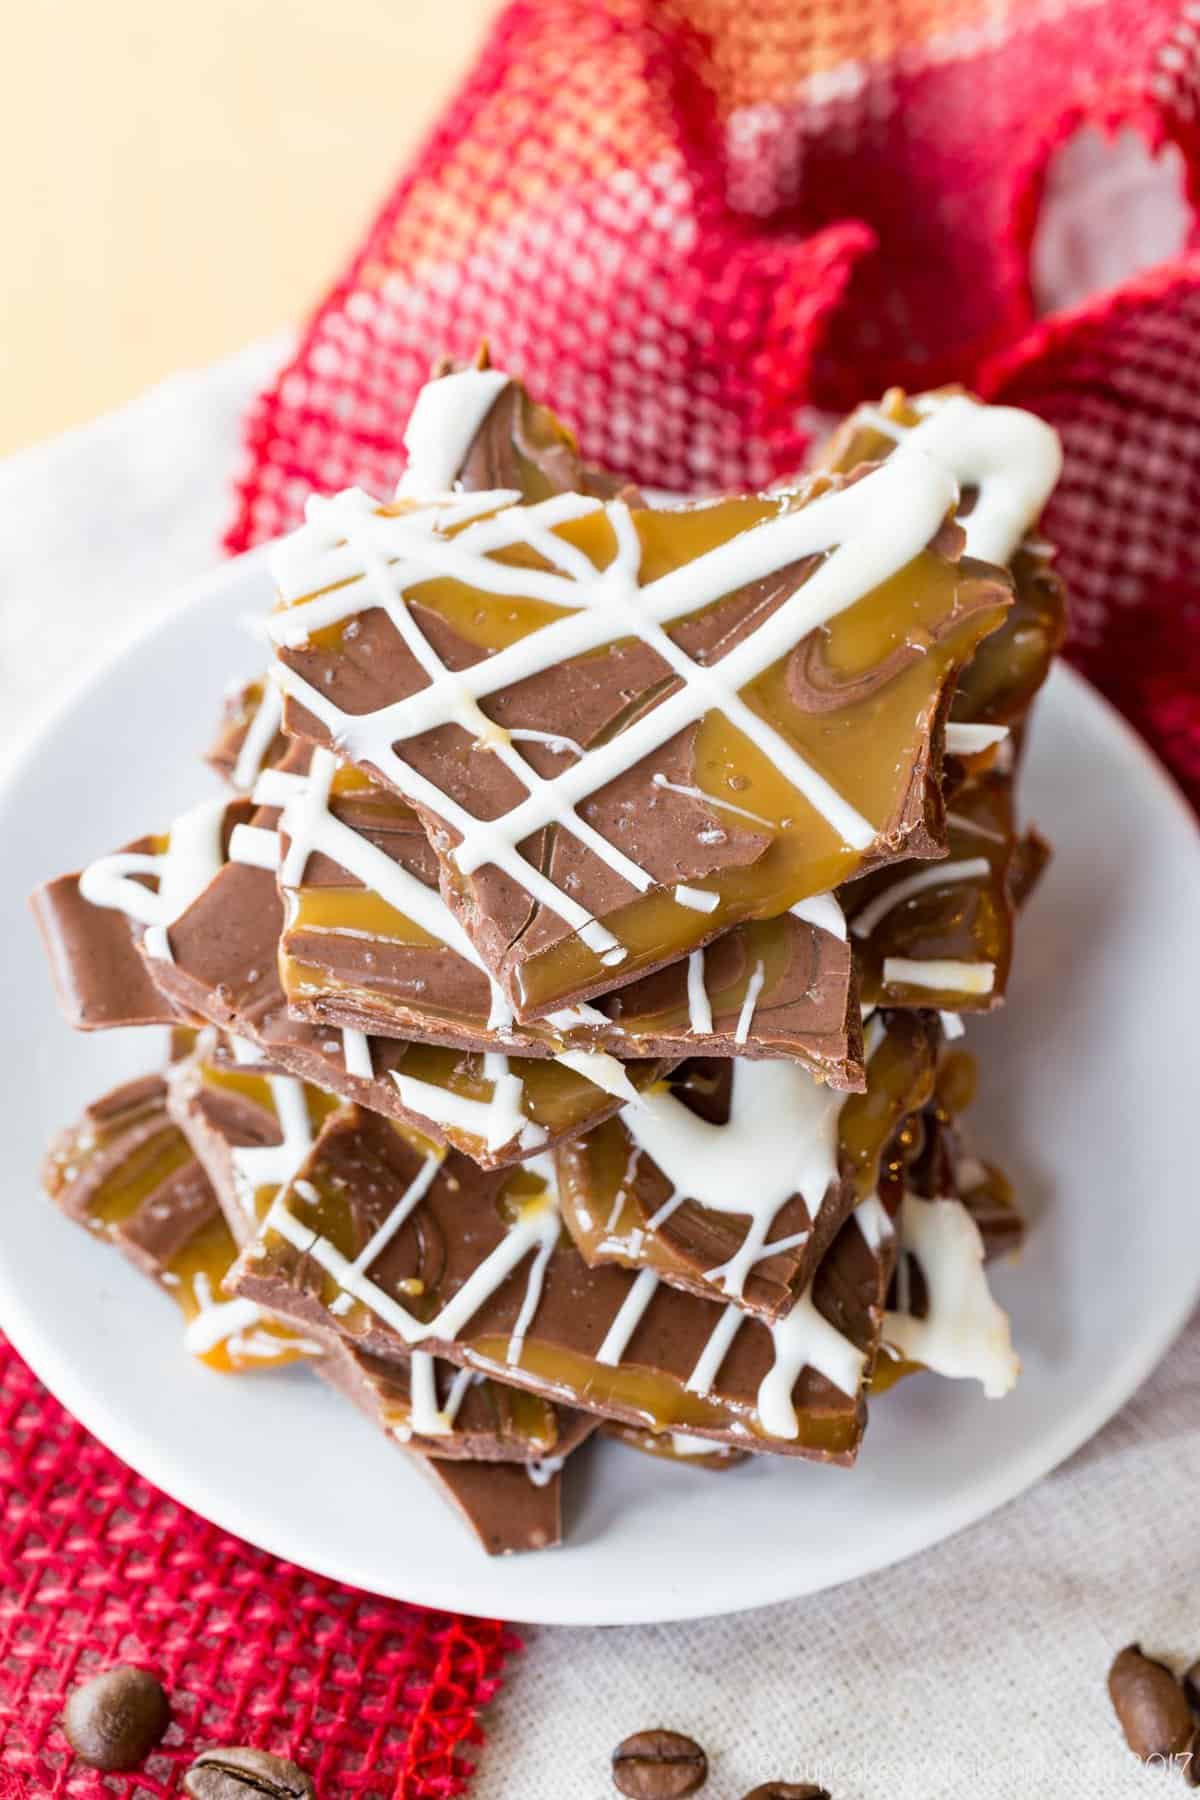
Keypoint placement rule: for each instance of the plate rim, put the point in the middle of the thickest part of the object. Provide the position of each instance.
(119, 1432)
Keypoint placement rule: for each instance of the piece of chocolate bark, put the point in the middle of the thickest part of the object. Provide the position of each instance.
(127, 1173)
(368, 943)
(731, 1180)
(125, 953)
(92, 922)
(399, 1247)
(510, 1506)
(942, 935)
(625, 728)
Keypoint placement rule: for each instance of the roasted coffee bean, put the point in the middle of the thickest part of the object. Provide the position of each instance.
(1191, 1687)
(658, 1765)
(788, 1790)
(1149, 1704)
(114, 1719)
(241, 1773)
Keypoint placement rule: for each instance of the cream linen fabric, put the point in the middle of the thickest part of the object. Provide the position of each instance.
(976, 1669)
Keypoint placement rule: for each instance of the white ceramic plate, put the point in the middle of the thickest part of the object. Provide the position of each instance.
(1088, 1097)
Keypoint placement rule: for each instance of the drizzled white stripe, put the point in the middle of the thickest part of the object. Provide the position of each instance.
(443, 425)
(274, 1165)
(1011, 458)
(260, 735)
(754, 988)
(939, 874)
(824, 912)
(700, 1018)
(950, 977)
(969, 740)
(780, 1140)
(182, 872)
(628, 1318)
(964, 1332)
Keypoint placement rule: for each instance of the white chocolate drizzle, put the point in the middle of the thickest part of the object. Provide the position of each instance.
(1011, 457)
(628, 1318)
(824, 912)
(700, 1019)
(697, 899)
(865, 533)
(542, 1472)
(942, 973)
(442, 427)
(780, 1140)
(754, 988)
(311, 828)
(496, 1122)
(257, 1166)
(803, 1338)
(535, 1230)
(182, 871)
(356, 1053)
(938, 874)
(237, 1324)
(964, 1334)
(969, 740)
(260, 735)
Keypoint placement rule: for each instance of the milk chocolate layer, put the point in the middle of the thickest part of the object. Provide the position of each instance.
(861, 698)
(350, 956)
(750, 1132)
(477, 1270)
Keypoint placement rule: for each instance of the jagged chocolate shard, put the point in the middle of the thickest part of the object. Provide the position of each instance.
(128, 953)
(942, 935)
(93, 921)
(628, 728)
(509, 1506)
(732, 1179)
(368, 944)
(127, 1173)
(401, 1247)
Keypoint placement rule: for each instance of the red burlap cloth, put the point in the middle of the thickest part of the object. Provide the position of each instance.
(695, 226)
(96, 1566)
(691, 223)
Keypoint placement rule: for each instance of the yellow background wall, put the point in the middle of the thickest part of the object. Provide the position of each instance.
(180, 176)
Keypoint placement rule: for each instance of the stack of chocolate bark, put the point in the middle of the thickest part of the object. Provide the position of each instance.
(565, 987)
